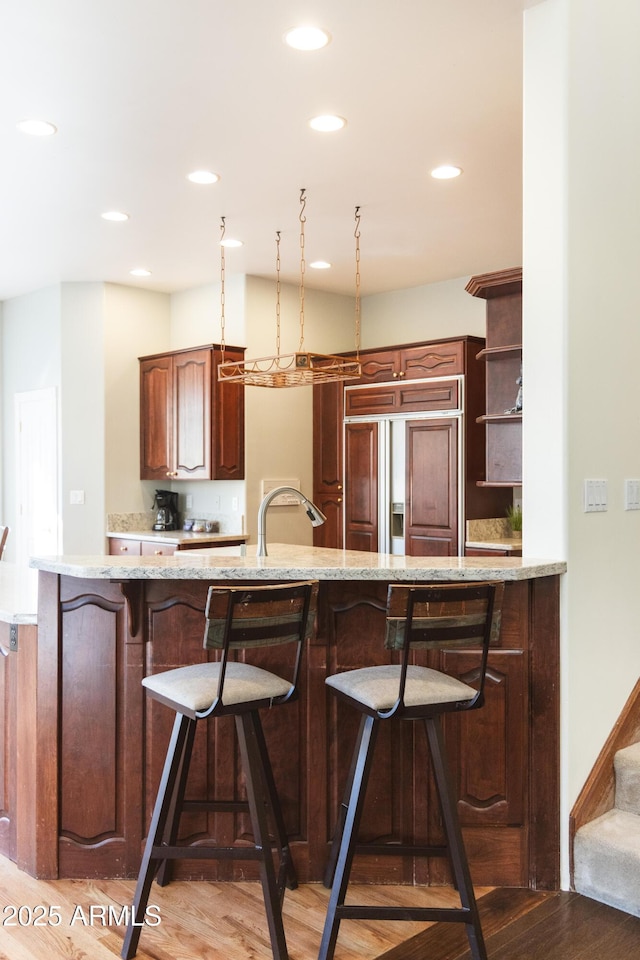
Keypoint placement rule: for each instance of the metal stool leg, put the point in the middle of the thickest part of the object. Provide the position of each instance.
(258, 800)
(173, 820)
(330, 869)
(454, 837)
(359, 777)
(286, 873)
(150, 859)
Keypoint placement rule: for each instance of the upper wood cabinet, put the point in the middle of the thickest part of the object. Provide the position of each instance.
(412, 361)
(503, 356)
(191, 426)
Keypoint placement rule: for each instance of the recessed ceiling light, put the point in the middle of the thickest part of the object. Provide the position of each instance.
(117, 216)
(320, 265)
(140, 272)
(307, 38)
(446, 172)
(327, 123)
(230, 242)
(37, 128)
(203, 176)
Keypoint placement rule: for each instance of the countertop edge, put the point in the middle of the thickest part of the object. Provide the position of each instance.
(290, 562)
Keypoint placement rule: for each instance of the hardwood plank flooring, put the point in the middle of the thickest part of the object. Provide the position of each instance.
(225, 921)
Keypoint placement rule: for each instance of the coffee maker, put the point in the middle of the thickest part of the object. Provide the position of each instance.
(166, 506)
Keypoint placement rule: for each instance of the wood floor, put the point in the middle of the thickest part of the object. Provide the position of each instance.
(70, 920)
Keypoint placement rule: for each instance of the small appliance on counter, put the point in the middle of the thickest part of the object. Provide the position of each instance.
(166, 506)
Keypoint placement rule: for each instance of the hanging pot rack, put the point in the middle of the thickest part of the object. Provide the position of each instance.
(303, 366)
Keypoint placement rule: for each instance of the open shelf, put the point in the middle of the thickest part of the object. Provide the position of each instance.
(498, 353)
(499, 418)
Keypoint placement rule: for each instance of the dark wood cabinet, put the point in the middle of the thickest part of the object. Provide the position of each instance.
(431, 519)
(411, 361)
(128, 547)
(99, 739)
(503, 357)
(191, 426)
(328, 491)
(361, 471)
(445, 455)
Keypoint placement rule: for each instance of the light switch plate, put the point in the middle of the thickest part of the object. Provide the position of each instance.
(632, 494)
(76, 497)
(595, 496)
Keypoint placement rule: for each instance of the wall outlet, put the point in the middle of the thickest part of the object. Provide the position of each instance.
(234, 503)
(189, 501)
(76, 497)
(215, 503)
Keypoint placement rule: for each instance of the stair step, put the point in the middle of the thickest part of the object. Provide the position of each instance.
(627, 768)
(607, 860)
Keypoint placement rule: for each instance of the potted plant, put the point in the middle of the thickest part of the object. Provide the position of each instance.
(514, 516)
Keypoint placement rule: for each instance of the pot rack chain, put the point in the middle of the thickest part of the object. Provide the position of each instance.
(277, 293)
(303, 220)
(356, 234)
(222, 267)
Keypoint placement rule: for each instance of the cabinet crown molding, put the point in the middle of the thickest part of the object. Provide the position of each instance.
(502, 283)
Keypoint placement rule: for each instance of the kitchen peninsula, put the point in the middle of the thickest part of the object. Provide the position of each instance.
(106, 622)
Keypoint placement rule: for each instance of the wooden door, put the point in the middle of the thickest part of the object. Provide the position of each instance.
(156, 418)
(431, 522)
(330, 533)
(192, 414)
(361, 494)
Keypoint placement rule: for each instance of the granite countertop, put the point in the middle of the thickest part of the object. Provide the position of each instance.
(496, 543)
(492, 534)
(18, 594)
(295, 562)
(177, 536)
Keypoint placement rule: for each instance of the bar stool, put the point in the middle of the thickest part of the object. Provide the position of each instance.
(448, 615)
(236, 618)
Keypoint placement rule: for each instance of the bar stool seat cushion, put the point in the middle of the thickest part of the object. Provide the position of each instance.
(195, 687)
(377, 687)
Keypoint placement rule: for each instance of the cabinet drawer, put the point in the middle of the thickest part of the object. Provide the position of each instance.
(124, 547)
(150, 548)
(413, 397)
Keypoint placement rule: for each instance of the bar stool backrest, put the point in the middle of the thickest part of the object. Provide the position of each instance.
(446, 615)
(261, 616)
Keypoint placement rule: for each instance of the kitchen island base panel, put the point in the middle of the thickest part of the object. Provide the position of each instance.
(98, 638)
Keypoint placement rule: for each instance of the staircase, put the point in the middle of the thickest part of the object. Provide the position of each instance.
(607, 850)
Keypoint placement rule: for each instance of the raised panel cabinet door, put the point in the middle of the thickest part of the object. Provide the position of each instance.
(361, 494)
(431, 360)
(8, 744)
(156, 418)
(329, 534)
(192, 414)
(228, 422)
(431, 528)
(327, 437)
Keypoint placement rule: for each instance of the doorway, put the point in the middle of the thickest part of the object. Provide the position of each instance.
(37, 508)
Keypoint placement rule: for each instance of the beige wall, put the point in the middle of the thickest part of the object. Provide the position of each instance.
(581, 343)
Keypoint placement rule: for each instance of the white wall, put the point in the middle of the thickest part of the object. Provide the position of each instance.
(195, 321)
(429, 312)
(581, 343)
(279, 437)
(136, 323)
(30, 361)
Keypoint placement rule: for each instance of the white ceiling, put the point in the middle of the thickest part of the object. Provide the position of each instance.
(144, 91)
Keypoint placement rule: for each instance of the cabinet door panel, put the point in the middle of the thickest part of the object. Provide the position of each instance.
(228, 425)
(361, 499)
(192, 414)
(436, 360)
(432, 487)
(156, 419)
(327, 437)
(330, 533)
(8, 745)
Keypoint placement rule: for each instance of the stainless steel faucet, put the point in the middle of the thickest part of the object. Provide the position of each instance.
(316, 516)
